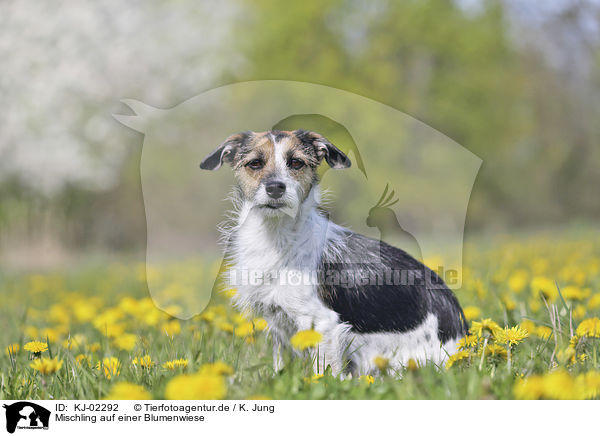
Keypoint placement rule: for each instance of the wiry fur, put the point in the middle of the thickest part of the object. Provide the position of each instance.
(358, 321)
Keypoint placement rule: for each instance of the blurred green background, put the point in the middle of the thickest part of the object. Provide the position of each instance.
(515, 82)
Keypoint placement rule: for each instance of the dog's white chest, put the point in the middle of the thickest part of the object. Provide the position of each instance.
(274, 274)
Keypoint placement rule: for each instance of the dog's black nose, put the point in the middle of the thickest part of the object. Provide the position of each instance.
(275, 189)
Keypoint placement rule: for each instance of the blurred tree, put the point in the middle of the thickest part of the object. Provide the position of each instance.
(517, 83)
(456, 68)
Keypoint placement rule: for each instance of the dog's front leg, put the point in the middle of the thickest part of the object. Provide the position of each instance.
(277, 359)
(326, 355)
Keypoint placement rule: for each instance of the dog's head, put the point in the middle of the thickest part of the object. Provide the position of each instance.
(276, 169)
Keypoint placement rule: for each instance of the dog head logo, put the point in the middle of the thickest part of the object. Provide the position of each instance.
(431, 176)
(26, 415)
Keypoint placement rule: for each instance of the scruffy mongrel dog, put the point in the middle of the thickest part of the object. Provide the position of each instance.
(298, 270)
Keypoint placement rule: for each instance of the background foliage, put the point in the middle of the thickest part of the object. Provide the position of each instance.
(516, 84)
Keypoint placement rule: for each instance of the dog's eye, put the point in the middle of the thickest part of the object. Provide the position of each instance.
(296, 164)
(255, 164)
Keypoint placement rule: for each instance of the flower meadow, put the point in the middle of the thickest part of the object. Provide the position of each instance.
(533, 304)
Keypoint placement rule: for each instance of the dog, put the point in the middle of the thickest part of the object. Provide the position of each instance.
(291, 265)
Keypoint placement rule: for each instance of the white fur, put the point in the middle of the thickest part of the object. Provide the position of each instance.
(420, 344)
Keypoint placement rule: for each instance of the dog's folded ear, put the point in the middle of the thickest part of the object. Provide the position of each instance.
(324, 149)
(224, 152)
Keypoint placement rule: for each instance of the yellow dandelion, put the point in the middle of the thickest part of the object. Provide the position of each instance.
(36, 347)
(567, 356)
(46, 365)
(528, 325)
(529, 388)
(94, 347)
(484, 327)
(472, 312)
(458, 357)
(591, 384)
(259, 324)
(129, 305)
(535, 304)
(112, 330)
(171, 328)
(225, 326)
(220, 310)
(238, 318)
(108, 322)
(73, 341)
(110, 367)
(574, 341)
(127, 391)
(306, 339)
(313, 378)
(468, 341)
(84, 311)
(575, 293)
(412, 365)
(579, 311)
(216, 368)
(144, 362)
(244, 329)
(12, 349)
(208, 315)
(57, 313)
(543, 332)
(230, 293)
(517, 281)
(508, 302)
(545, 286)
(368, 379)
(511, 336)
(594, 302)
(196, 387)
(152, 317)
(494, 350)
(589, 327)
(51, 334)
(381, 363)
(172, 365)
(559, 385)
(83, 360)
(125, 341)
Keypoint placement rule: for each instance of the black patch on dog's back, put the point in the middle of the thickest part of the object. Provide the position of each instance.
(389, 301)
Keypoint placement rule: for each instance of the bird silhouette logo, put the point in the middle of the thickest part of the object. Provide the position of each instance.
(383, 217)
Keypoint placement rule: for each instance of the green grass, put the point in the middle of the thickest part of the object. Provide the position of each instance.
(31, 303)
